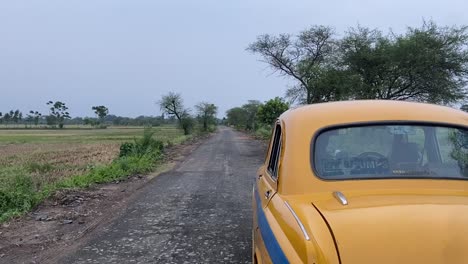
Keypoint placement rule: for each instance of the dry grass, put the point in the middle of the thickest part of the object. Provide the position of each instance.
(51, 155)
(36, 163)
(51, 162)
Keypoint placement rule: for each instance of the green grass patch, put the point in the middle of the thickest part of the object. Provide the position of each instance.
(17, 192)
(111, 134)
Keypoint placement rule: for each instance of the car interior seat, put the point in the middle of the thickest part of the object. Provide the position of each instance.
(404, 153)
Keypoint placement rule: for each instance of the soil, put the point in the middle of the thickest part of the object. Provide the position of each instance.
(60, 224)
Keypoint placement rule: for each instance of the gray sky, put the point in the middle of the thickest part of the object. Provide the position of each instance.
(126, 54)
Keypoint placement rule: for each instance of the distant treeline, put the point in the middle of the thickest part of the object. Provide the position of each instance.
(174, 112)
(123, 121)
(19, 120)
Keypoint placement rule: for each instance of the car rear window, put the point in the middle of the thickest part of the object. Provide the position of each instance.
(391, 151)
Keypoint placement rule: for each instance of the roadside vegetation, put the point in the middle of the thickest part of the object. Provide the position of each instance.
(256, 117)
(34, 166)
(36, 161)
(172, 104)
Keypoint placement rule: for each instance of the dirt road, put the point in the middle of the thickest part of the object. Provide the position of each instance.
(200, 212)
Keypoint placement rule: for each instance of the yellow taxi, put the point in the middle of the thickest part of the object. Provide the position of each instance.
(364, 182)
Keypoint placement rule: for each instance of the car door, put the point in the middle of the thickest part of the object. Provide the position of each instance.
(265, 189)
(268, 175)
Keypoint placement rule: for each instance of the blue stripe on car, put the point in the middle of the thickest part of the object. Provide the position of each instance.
(271, 244)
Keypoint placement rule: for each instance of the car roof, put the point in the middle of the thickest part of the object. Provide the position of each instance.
(301, 124)
(344, 112)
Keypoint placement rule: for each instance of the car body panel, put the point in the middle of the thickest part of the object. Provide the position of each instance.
(272, 249)
(389, 209)
(405, 228)
(266, 187)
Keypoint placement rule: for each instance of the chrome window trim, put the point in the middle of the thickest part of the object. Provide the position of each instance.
(304, 231)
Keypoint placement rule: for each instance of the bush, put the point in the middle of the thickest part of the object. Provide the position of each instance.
(126, 149)
(212, 128)
(263, 133)
(147, 145)
(17, 194)
(118, 169)
(187, 123)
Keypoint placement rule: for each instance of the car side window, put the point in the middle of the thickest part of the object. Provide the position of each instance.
(275, 153)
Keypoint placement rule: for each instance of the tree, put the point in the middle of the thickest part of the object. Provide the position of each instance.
(300, 59)
(464, 107)
(237, 117)
(7, 118)
(101, 112)
(187, 123)
(244, 117)
(207, 114)
(428, 64)
(58, 113)
(34, 117)
(173, 105)
(271, 110)
(16, 116)
(251, 109)
(12, 116)
(90, 121)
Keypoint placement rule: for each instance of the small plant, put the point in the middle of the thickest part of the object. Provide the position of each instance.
(212, 128)
(169, 144)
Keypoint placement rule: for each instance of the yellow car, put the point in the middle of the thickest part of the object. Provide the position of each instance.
(364, 182)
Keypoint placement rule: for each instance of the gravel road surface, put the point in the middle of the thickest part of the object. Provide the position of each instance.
(200, 212)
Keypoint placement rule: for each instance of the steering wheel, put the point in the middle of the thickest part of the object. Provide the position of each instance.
(381, 162)
(371, 155)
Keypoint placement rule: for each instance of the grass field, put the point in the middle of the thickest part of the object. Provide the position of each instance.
(84, 135)
(54, 154)
(39, 159)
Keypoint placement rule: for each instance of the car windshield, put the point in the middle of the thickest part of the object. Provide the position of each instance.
(391, 151)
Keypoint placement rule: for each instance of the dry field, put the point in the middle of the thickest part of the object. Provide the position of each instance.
(51, 155)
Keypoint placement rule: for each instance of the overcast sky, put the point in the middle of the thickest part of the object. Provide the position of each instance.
(126, 54)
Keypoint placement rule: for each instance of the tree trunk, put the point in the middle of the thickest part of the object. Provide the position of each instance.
(309, 95)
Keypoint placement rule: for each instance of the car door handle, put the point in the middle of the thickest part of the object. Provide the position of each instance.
(267, 194)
